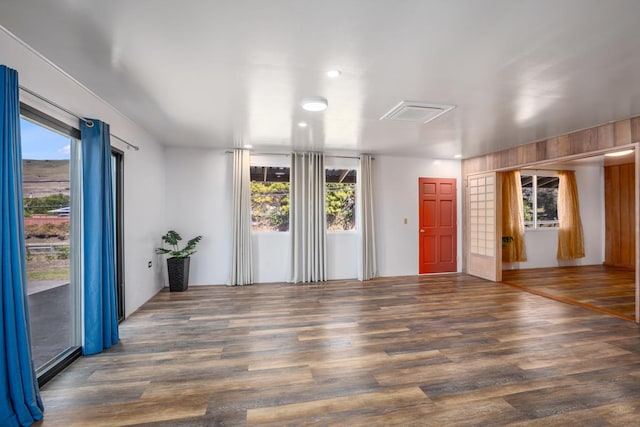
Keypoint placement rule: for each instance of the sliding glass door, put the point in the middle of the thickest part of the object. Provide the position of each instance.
(49, 239)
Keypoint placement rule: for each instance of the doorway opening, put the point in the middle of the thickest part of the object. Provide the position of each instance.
(605, 278)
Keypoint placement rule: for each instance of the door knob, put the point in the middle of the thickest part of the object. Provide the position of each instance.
(421, 230)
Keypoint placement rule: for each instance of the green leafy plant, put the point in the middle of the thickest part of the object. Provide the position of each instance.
(173, 239)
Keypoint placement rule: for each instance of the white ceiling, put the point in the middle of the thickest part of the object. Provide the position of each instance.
(226, 73)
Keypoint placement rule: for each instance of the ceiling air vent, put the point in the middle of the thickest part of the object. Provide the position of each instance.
(411, 111)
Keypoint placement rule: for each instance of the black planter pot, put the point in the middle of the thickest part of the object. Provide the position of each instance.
(178, 269)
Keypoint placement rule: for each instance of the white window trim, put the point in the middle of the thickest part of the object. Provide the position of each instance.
(351, 164)
(535, 228)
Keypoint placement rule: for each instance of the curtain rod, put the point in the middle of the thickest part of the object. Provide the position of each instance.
(289, 154)
(77, 116)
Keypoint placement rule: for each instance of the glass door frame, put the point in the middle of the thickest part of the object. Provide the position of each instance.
(117, 156)
(47, 371)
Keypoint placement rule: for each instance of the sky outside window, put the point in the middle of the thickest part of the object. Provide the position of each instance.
(39, 143)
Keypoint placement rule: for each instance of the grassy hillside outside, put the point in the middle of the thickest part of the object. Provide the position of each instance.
(42, 178)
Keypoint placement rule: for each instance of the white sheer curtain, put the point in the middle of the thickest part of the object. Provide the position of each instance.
(307, 216)
(241, 253)
(368, 266)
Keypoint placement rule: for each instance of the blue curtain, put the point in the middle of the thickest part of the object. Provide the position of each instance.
(20, 403)
(100, 310)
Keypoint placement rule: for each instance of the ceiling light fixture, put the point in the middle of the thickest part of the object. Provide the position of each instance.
(302, 124)
(457, 156)
(333, 74)
(314, 103)
(618, 153)
(248, 146)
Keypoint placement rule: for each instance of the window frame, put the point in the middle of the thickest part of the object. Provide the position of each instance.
(355, 201)
(271, 161)
(535, 224)
(345, 163)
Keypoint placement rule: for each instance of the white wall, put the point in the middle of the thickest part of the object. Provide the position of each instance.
(143, 170)
(272, 256)
(396, 198)
(198, 202)
(542, 244)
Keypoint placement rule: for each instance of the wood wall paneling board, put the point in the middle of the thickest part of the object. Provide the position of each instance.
(622, 131)
(619, 215)
(529, 154)
(564, 146)
(553, 149)
(612, 215)
(582, 141)
(635, 129)
(606, 136)
(627, 215)
(541, 150)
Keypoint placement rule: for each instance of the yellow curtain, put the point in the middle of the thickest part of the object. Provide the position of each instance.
(570, 234)
(513, 248)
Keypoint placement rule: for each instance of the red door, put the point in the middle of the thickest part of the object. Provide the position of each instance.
(438, 233)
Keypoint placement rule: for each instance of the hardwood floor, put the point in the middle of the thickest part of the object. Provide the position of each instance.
(440, 350)
(601, 288)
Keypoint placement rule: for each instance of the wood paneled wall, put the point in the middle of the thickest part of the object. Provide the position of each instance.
(611, 135)
(619, 209)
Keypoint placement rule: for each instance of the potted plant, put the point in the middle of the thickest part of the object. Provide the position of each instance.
(178, 262)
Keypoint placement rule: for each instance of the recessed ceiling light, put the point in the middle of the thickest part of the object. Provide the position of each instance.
(457, 156)
(302, 124)
(248, 146)
(333, 74)
(619, 153)
(314, 103)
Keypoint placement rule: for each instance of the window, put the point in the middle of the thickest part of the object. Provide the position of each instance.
(270, 198)
(340, 199)
(540, 200)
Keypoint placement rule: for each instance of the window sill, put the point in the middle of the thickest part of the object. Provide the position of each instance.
(542, 229)
(268, 232)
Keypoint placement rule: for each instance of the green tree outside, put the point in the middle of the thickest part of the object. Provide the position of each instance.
(340, 206)
(270, 205)
(42, 205)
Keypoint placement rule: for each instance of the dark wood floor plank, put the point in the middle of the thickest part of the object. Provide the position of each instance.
(418, 350)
